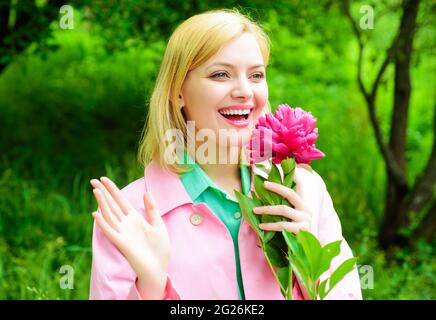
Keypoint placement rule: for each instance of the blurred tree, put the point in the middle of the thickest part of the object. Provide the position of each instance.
(402, 200)
(122, 23)
(126, 23)
(25, 22)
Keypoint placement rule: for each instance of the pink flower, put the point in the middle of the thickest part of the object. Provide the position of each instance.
(289, 133)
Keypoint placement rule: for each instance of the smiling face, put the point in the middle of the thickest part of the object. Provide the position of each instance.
(229, 91)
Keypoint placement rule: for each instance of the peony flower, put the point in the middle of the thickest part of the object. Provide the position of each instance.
(289, 133)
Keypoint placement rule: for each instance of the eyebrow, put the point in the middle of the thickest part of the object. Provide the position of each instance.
(232, 66)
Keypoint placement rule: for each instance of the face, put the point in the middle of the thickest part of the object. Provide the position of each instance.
(229, 91)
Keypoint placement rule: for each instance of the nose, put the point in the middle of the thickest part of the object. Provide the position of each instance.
(242, 89)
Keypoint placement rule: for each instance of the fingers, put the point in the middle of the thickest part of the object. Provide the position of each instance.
(150, 209)
(117, 195)
(300, 182)
(105, 227)
(294, 227)
(107, 196)
(287, 193)
(282, 210)
(106, 211)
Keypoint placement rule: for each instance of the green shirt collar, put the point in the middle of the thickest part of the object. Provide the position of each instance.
(196, 181)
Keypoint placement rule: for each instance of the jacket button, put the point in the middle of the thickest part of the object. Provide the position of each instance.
(237, 215)
(196, 219)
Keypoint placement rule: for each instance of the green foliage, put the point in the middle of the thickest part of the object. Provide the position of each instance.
(310, 261)
(247, 206)
(283, 275)
(301, 254)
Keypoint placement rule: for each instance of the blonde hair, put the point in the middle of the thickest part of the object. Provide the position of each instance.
(192, 43)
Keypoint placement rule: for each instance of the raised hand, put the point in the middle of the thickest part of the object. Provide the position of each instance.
(143, 241)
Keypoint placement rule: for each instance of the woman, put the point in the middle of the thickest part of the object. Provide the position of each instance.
(177, 232)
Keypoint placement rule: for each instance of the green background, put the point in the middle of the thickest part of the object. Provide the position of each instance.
(72, 109)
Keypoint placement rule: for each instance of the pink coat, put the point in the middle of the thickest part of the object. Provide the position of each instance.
(202, 260)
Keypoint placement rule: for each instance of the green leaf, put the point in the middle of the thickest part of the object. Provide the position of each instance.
(288, 165)
(290, 284)
(297, 258)
(288, 180)
(312, 250)
(260, 167)
(246, 204)
(276, 257)
(278, 242)
(286, 202)
(291, 241)
(263, 194)
(270, 219)
(256, 200)
(267, 197)
(296, 249)
(346, 267)
(257, 203)
(283, 274)
(300, 271)
(274, 174)
(322, 289)
(329, 251)
(268, 235)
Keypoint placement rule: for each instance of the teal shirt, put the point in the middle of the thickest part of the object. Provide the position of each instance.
(201, 188)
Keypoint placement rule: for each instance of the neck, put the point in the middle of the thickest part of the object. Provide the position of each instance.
(225, 167)
(227, 174)
(221, 171)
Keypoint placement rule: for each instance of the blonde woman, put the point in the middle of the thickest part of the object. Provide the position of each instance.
(177, 232)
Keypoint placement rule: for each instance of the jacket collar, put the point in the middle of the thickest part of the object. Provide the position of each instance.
(167, 189)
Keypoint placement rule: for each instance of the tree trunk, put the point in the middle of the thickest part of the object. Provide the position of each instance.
(427, 228)
(396, 210)
(402, 200)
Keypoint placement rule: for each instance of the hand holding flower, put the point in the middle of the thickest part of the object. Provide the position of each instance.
(279, 215)
(299, 216)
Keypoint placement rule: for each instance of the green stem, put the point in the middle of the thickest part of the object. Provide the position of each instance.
(272, 267)
(289, 294)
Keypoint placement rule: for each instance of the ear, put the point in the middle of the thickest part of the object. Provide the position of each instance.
(181, 101)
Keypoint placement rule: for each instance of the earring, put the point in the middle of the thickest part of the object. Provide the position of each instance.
(180, 97)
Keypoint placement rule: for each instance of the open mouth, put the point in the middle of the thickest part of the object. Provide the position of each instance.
(235, 115)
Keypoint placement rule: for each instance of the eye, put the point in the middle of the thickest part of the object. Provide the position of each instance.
(219, 75)
(258, 75)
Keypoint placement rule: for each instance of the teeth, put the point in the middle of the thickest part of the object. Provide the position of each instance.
(235, 112)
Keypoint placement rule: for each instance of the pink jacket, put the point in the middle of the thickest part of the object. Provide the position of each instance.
(202, 261)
